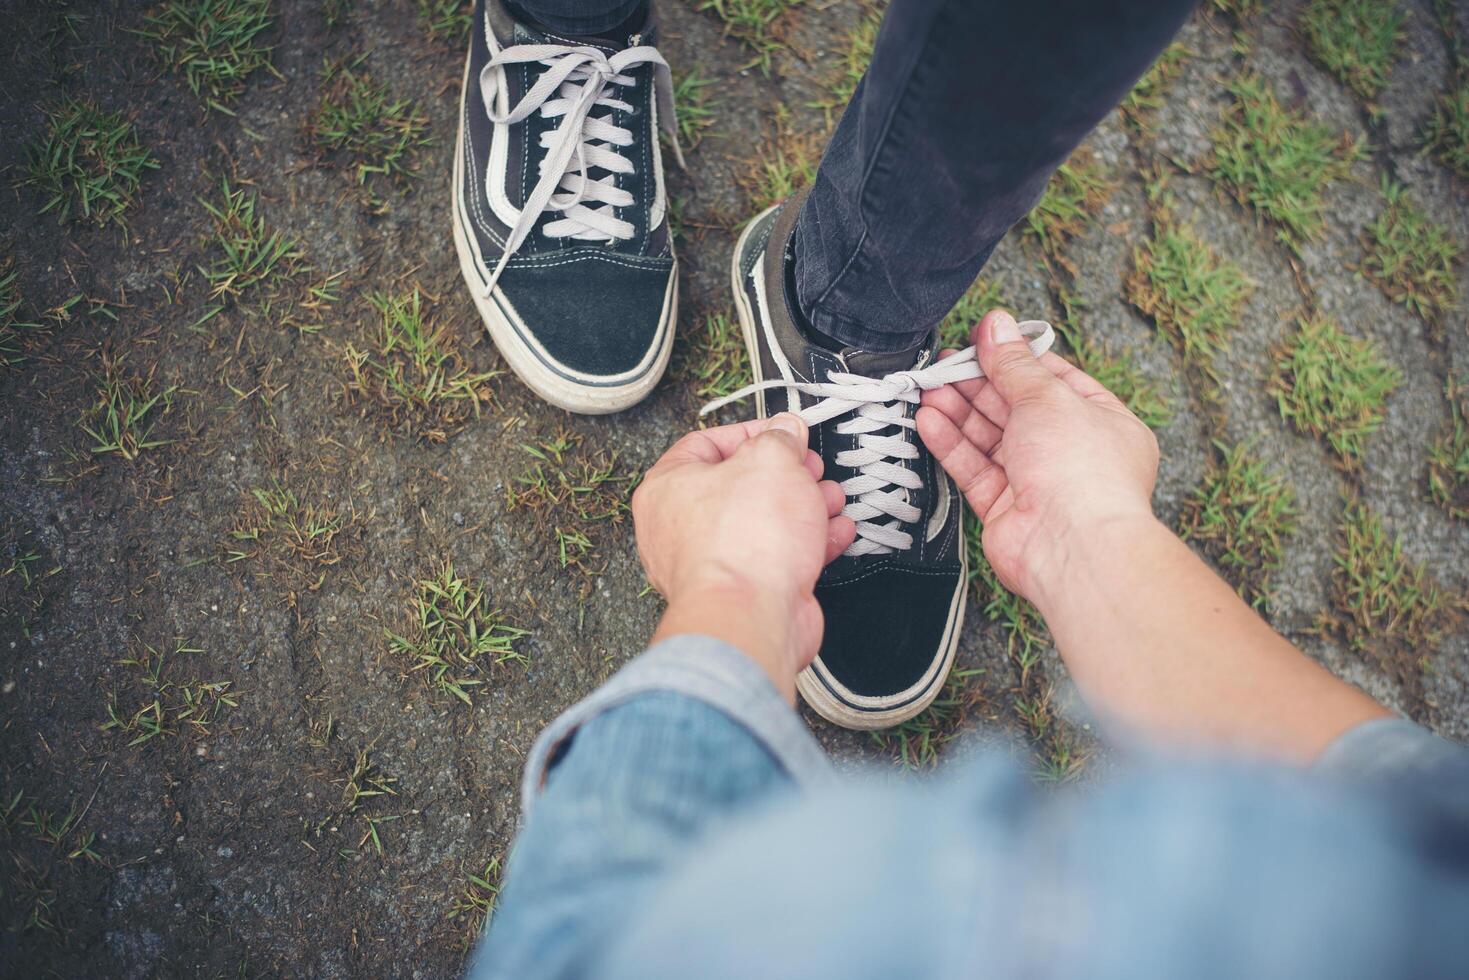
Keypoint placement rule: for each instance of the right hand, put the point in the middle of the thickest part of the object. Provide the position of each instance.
(1042, 452)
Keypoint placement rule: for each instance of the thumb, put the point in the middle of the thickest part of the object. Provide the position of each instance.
(1007, 359)
(783, 433)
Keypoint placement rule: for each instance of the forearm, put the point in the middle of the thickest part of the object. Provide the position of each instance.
(1163, 648)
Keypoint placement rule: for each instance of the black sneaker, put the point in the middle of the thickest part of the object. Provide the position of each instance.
(560, 217)
(894, 602)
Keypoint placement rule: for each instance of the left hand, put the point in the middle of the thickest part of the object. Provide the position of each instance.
(734, 524)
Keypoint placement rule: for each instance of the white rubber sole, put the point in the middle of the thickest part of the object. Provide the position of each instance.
(591, 397)
(850, 710)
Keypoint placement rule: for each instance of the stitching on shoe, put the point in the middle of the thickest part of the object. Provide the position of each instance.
(651, 263)
(477, 192)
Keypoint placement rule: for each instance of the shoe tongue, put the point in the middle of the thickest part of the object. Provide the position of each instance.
(875, 365)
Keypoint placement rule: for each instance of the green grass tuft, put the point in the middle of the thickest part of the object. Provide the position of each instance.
(127, 410)
(572, 493)
(453, 635)
(89, 163)
(446, 20)
(1335, 386)
(784, 165)
(1121, 375)
(379, 136)
(1073, 197)
(214, 43)
(293, 527)
(1148, 95)
(1242, 515)
(1193, 296)
(761, 25)
(416, 371)
(717, 362)
(14, 330)
(856, 57)
(168, 706)
(1278, 161)
(917, 743)
(1387, 599)
(1241, 10)
(984, 295)
(474, 906)
(1448, 457)
(695, 108)
(1355, 40)
(247, 254)
(1414, 260)
(1446, 134)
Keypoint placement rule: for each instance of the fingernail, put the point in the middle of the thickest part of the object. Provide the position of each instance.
(1003, 328)
(787, 422)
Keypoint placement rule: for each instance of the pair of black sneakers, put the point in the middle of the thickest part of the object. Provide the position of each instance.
(561, 225)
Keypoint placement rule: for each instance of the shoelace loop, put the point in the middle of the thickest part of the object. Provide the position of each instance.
(880, 417)
(576, 80)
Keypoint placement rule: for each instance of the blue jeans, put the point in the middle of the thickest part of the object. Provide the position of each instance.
(966, 109)
(681, 822)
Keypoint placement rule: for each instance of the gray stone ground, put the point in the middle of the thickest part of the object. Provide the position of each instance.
(227, 852)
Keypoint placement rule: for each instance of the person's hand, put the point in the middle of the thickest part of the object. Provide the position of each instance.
(734, 524)
(1042, 452)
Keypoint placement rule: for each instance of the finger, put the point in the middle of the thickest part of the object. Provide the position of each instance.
(978, 477)
(835, 498)
(1014, 372)
(841, 531)
(784, 436)
(814, 465)
(976, 428)
(714, 444)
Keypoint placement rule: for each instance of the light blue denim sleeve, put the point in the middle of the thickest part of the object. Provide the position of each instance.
(616, 790)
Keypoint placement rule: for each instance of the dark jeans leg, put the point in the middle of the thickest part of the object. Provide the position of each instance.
(966, 110)
(578, 16)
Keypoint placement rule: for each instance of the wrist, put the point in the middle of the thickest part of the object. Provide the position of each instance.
(759, 622)
(1085, 550)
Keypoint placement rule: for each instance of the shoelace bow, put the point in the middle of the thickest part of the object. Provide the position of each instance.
(579, 79)
(880, 488)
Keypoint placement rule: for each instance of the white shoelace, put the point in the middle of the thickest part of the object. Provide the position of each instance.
(577, 80)
(880, 417)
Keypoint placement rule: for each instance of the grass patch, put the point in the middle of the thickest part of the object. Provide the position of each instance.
(761, 25)
(365, 788)
(1122, 376)
(89, 164)
(215, 44)
(358, 121)
(474, 906)
(694, 106)
(167, 706)
(453, 636)
(248, 254)
(1193, 296)
(785, 164)
(1446, 134)
(1148, 95)
(127, 411)
(916, 744)
(1448, 457)
(574, 494)
(415, 371)
(1355, 40)
(1242, 515)
(14, 329)
(983, 295)
(1278, 161)
(717, 362)
(1414, 260)
(1391, 605)
(855, 59)
(294, 528)
(446, 20)
(1073, 197)
(1241, 10)
(1057, 754)
(1334, 386)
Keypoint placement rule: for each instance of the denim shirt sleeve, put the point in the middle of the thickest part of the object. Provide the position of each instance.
(1392, 749)
(618, 788)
